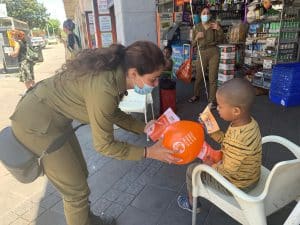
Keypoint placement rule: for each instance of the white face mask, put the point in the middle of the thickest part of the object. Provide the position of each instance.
(205, 18)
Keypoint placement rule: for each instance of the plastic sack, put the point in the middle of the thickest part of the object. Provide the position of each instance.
(156, 131)
(209, 155)
(185, 138)
(184, 72)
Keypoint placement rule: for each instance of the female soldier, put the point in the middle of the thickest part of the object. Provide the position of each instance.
(207, 35)
(88, 89)
(26, 66)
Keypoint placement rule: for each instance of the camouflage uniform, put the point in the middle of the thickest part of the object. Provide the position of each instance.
(26, 66)
(26, 71)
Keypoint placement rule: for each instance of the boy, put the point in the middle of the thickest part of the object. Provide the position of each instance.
(241, 144)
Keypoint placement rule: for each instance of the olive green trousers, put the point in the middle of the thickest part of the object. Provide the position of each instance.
(36, 125)
(210, 61)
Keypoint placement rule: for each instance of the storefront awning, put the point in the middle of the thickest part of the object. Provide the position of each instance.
(70, 6)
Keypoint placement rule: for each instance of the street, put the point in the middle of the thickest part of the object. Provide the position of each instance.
(12, 193)
(11, 89)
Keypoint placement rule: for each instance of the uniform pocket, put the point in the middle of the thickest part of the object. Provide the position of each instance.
(33, 115)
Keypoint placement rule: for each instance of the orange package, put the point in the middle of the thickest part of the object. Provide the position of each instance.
(209, 155)
(209, 120)
(157, 130)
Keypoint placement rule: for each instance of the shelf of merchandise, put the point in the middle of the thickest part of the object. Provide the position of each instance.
(285, 36)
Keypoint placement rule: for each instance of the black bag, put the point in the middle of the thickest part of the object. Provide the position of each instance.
(22, 163)
(32, 54)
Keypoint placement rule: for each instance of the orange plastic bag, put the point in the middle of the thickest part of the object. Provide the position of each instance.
(184, 72)
(209, 155)
(157, 130)
(185, 138)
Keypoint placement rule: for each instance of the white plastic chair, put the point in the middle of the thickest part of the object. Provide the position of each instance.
(137, 103)
(276, 188)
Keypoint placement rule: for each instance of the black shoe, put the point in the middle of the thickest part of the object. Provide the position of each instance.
(102, 220)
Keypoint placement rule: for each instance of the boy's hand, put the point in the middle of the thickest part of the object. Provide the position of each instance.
(202, 123)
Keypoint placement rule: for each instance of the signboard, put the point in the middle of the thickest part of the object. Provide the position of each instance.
(102, 7)
(91, 17)
(107, 39)
(105, 23)
(3, 11)
(110, 3)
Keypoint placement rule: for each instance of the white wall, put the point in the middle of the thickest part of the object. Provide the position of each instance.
(135, 20)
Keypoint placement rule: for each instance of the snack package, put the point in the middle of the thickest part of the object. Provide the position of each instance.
(209, 120)
(156, 131)
(209, 155)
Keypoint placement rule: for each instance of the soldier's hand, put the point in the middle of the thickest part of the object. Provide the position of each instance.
(158, 152)
(199, 35)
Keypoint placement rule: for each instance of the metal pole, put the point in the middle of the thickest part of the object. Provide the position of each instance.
(199, 53)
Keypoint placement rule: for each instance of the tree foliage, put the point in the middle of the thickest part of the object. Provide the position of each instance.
(53, 27)
(30, 11)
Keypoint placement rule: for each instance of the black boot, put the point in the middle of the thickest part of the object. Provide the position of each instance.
(101, 220)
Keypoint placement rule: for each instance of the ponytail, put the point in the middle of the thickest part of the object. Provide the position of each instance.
(96, 60)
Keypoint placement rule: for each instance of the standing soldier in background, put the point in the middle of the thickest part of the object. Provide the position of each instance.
(72, 44)
(20, 51)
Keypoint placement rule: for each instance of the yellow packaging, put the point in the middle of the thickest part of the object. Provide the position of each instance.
(209, 120)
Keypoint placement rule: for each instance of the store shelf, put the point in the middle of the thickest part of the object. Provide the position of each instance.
(260, 86)
(288, 40)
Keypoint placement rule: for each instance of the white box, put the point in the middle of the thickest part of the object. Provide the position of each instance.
(227, 55)
(224, 78)
(267, 64)
(248, 61)
(226, 66)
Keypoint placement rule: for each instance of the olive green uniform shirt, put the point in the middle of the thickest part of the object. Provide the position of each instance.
(211, 37)
(94, 99)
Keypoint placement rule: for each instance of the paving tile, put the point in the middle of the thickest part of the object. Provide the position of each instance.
(217, 217)
(8, 218)
(99, 206)
(153, 199)
(33, 213)
(134, 216)
(20, 221)
(112, 194)
(114, 210)
(135, 188)
(24, 207)
(280, 216)
(58, 207)
(49, 201)
(51, 218)
(174, 215)
(125, 199)
(170, 177)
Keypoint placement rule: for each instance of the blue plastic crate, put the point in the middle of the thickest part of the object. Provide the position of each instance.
(285, 84)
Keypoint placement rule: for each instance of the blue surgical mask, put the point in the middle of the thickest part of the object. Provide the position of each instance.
(146, 89)
(205, 18)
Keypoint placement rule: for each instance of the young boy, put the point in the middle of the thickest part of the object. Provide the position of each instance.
(241, 144)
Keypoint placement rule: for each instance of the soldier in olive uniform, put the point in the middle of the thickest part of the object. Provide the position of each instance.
(88, 89)
(207, 35)
(26, 67)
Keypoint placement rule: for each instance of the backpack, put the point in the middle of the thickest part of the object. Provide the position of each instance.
(32, 54)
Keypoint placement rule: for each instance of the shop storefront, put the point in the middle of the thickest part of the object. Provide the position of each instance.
(261, 37)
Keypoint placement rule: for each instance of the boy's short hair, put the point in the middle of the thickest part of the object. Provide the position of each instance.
(168, 48)
(238, 92)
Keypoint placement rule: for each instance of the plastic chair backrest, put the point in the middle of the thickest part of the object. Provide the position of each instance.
(282, 185)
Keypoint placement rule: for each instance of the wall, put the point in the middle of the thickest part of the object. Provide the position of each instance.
(135, 20)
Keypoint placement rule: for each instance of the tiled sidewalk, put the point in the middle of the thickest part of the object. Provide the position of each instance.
(144, 192)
